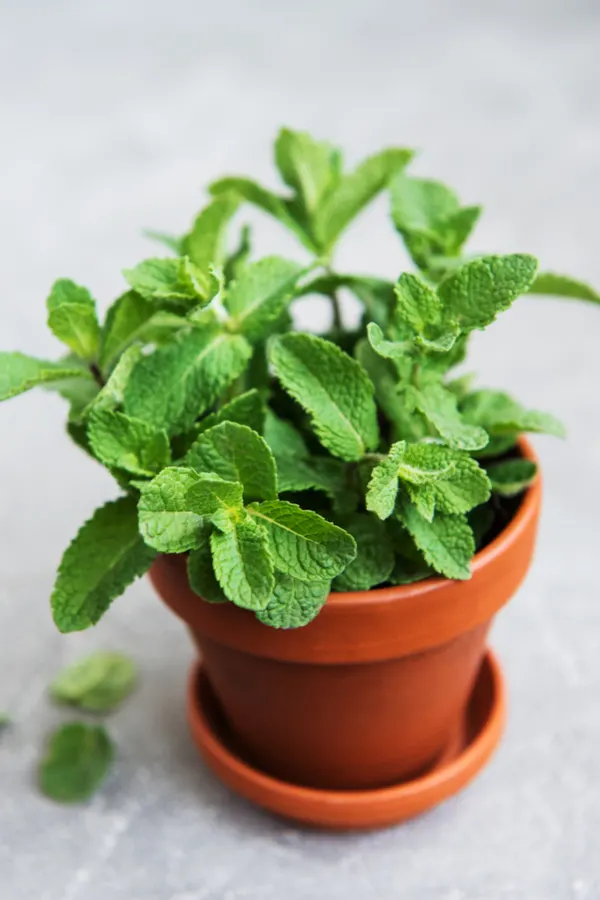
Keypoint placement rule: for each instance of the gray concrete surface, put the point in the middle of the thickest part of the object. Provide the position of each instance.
(113, 115)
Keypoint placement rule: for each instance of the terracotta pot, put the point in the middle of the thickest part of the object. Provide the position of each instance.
(370, 692)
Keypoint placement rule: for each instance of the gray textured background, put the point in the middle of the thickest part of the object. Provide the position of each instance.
(113, 115)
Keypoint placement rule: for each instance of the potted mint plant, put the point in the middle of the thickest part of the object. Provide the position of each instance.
(337, 517)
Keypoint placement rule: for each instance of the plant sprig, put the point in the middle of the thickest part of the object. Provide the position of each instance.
(284, 464)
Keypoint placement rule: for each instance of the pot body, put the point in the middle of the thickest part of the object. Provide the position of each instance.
(372, 691)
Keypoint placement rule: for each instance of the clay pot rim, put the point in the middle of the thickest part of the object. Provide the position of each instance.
(526, 510)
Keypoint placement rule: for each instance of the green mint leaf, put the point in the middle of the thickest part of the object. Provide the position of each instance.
(420, 204)
(261, 293)
(125, 321)
(245, 409)
(384, 376)
(333, 388)
(105, 557)
(479, 290)
(204, 243)
(466, 487)
(173, 386)
(311, 168)
(166, 521)
(423, 497)
(500, 415)
(72, 318)
(98, 683)
(383, 485)
(355, 191)
(236, 261)
(170, 241)
(266, 200)
(283, 438)
(201, 574)
(426, 463)
(243, 565)
(125, 443)
(512, 476)
(78, 758)
(446, 543)
(176, 280)
(302, 543)
(439, 406)
(395, 350)
(374, 559)
(417, 304)
(554, 285)
(113, 392)
(294, 603)
(236, 453)
(457, 227)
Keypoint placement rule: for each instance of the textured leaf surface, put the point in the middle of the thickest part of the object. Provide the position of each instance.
(178, 382)
(500, 415)
(374, 559)
(333, 388)
(417, 304)
(446, 543)
(439, 406)
(396, 350)
(243, 565)
(512, 476)
(302, 543)
(294, 603)
(420, 204)
(256, 300)
(563, 286)
(355, 191)
(246, 409)
(283, 438)
(468, 486)
(98, 683)
(20, 373)
(113, 392)
(201, 574)
(479, 290)
(76, 326)
(204, 242)
(78, 758)
(125, 443)
(175, 278)
(165, 520)
(426, 463)
(383, 485)
(107, 555)
(236, 453)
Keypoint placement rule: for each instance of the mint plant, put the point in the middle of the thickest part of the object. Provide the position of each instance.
(284, 464)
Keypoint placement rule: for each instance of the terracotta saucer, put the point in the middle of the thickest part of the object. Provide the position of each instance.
(466, 754)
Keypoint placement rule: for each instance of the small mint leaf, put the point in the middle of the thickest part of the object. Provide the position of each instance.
(236, 453)
(174, 279)
(311, 168)
(72, 318)
(302, 543)
(420, 205)
(501, 416)
(423, 497)
(173, 386)
(446, 543)
(237, 260)
(113, 393)
(384, 376)
(170, 241)
(355, 191)
(98, 683)
(512, 476)
(439, 406)
(333, 388)
(374, 559)
(126, 321)
(204, 242)
(294, 603)
(397, 350)
(105, 557)
(165, 521)
(212, 495)
(266, 200)
(77, 759)
(261, 293)
(466, 487)
(383, 485)
(20, 373)
(122, 442)
(554, 285)
(201, 574)
(243, 565)
(479, 290)
(245, 409)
